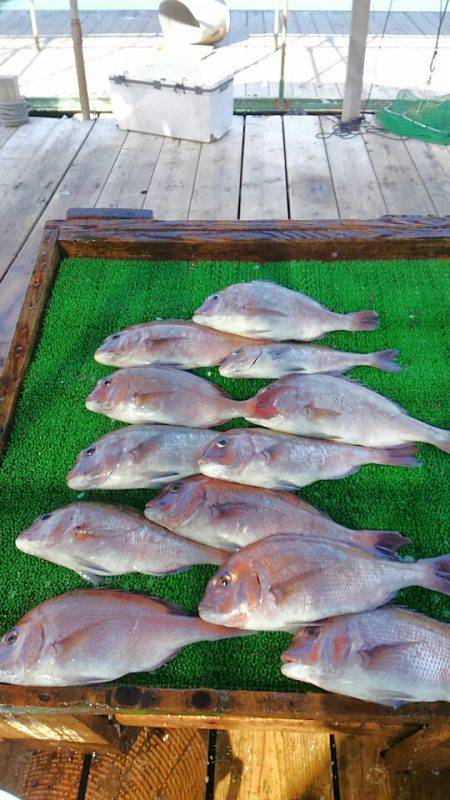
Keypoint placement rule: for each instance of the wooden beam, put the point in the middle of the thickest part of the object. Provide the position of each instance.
(428, 748)
(359, 26)
(78, 733)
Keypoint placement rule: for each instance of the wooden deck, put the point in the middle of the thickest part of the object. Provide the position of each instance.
(116, 41)
(264, 168)
(187, 764)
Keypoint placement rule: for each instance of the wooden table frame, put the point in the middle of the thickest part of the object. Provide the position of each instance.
(422, 730)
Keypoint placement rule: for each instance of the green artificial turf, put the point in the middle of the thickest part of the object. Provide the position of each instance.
(93, 298)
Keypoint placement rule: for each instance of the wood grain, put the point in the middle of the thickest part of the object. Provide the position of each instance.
(311, 190)
(428, 748)
(83, 734)
(27, 327)
(263, 189)
(272, 765)
(328, 240)
(169, 764)
(38, 775)
(363, 774)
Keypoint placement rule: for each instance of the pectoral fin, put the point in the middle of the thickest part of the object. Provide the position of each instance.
(74, 643)
(315, 413)
(286, 590)
(383, 654)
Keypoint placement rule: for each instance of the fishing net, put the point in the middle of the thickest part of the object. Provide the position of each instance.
(425, 118)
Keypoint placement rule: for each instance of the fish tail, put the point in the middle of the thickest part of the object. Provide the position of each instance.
(361, 321)
(385, 360)
(401, 456)
(384, 542)
(216, 556)
(209, 632)
(435, 573)
(431, 435)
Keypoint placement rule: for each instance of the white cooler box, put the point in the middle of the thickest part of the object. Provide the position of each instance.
(168, 101)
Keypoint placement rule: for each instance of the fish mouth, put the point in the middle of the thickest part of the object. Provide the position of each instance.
(104, 356)
(24, 543)
(92, 404)
(76, 481)
(287, 658)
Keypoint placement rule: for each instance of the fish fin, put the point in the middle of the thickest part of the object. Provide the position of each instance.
(436, 574)
(385, 360)
(143, 449)
(144, 399)
(397, 456)
(225, 510)
(362, 321)
(171, 608)
(382, 654)
(383, 542)
(287, 589)
(74, 641)
(315, 413)
(91, 577)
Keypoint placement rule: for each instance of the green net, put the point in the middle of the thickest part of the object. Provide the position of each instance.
(425, 118)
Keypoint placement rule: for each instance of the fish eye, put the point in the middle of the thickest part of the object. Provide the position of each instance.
(90, 451)
(177, 487)
(45, 516)
(10, 638)
(312, 631)
(115, 336)
(215, 297)
(224, 581)
(107, 382)
(222, 442)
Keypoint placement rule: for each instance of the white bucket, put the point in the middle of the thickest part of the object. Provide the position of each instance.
(194, 21)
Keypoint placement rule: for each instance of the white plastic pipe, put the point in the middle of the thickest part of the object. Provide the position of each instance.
(359, 26)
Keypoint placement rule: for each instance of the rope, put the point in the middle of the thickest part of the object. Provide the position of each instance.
(442, 14)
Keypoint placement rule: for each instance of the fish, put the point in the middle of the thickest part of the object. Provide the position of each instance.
(230, 516)
(139, 457)
(390, 656)
(341, 409)
(99, 539)
(287, 580)
(278, 360)
(98, 635)
(266, 309)
(172, 342)
(164, 395)
(273, 460)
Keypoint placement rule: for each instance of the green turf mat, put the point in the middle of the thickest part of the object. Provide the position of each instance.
(92, 298)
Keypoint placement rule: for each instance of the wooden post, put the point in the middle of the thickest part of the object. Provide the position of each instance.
(428, 748)
(34, 27)
(77, 39)
(351, 107)
(284, 18)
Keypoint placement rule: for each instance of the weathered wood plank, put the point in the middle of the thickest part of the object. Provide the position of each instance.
(432, 162)
(272, 766)
(363, 773)
(355, 183)
(401, 185)
(47, 148)
(129, 179)
(310, 185)
(170, 191)
(216, 188)
(87, 733)
(429, 748)
(36, 775)
(170, 765)
(82, 185)
(263, 190)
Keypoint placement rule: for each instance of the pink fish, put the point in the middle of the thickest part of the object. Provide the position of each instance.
(162, 394)
(97, 635)
(328, 407)
(266, 309)
(171, 342)
(285, 580)
(390, 656)
(232, 515)
(278, 360)
(97, 539)
(278, 461)
(139, 457)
